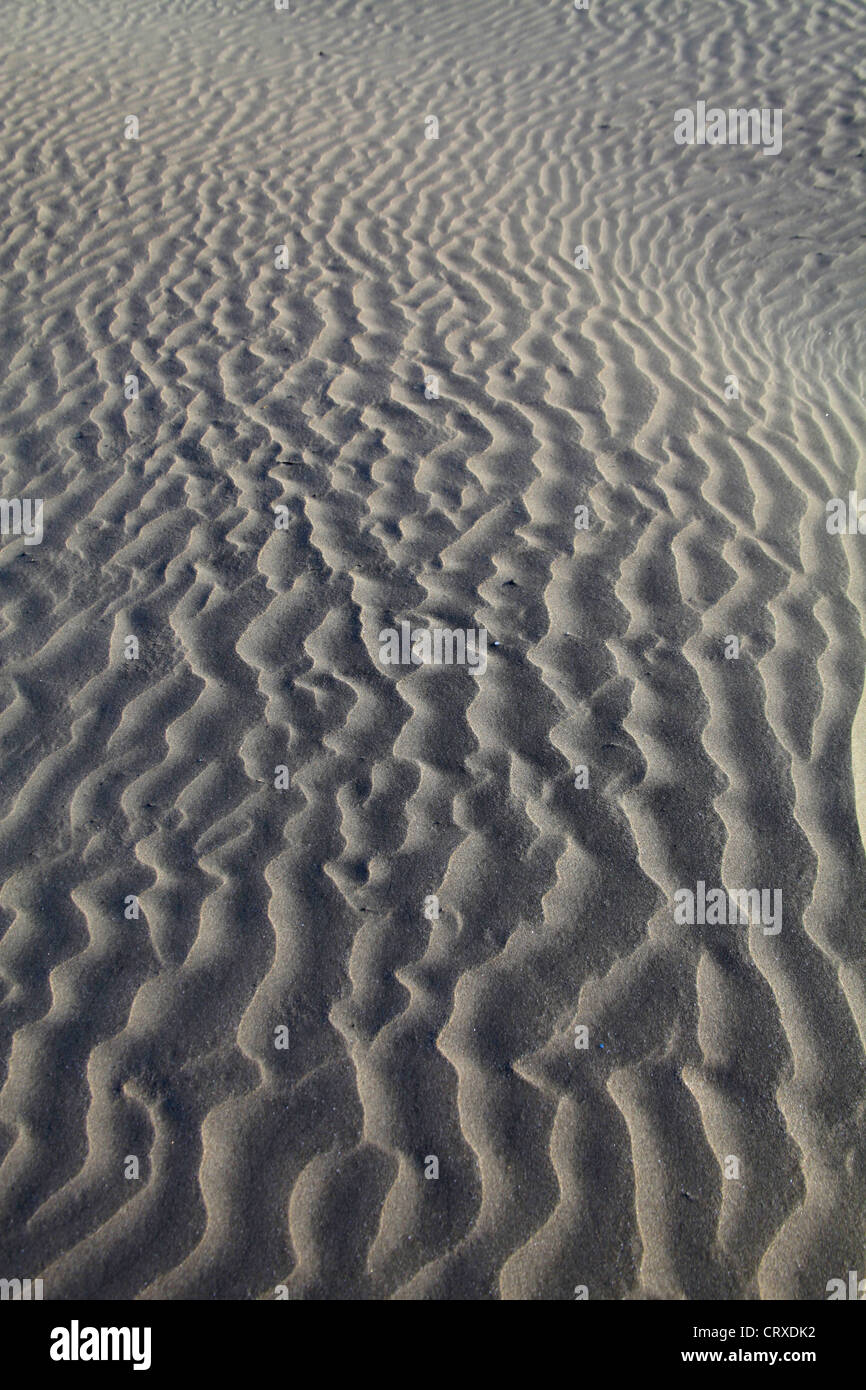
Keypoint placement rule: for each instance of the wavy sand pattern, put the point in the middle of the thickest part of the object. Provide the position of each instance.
(559, 387)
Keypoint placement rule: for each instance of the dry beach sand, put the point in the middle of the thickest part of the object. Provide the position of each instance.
(302, 386)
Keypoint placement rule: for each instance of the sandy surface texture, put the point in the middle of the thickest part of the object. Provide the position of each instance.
(327, 972)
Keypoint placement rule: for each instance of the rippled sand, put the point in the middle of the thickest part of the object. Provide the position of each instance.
(601, 386)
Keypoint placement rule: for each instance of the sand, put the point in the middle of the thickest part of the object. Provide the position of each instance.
(239, 1092)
